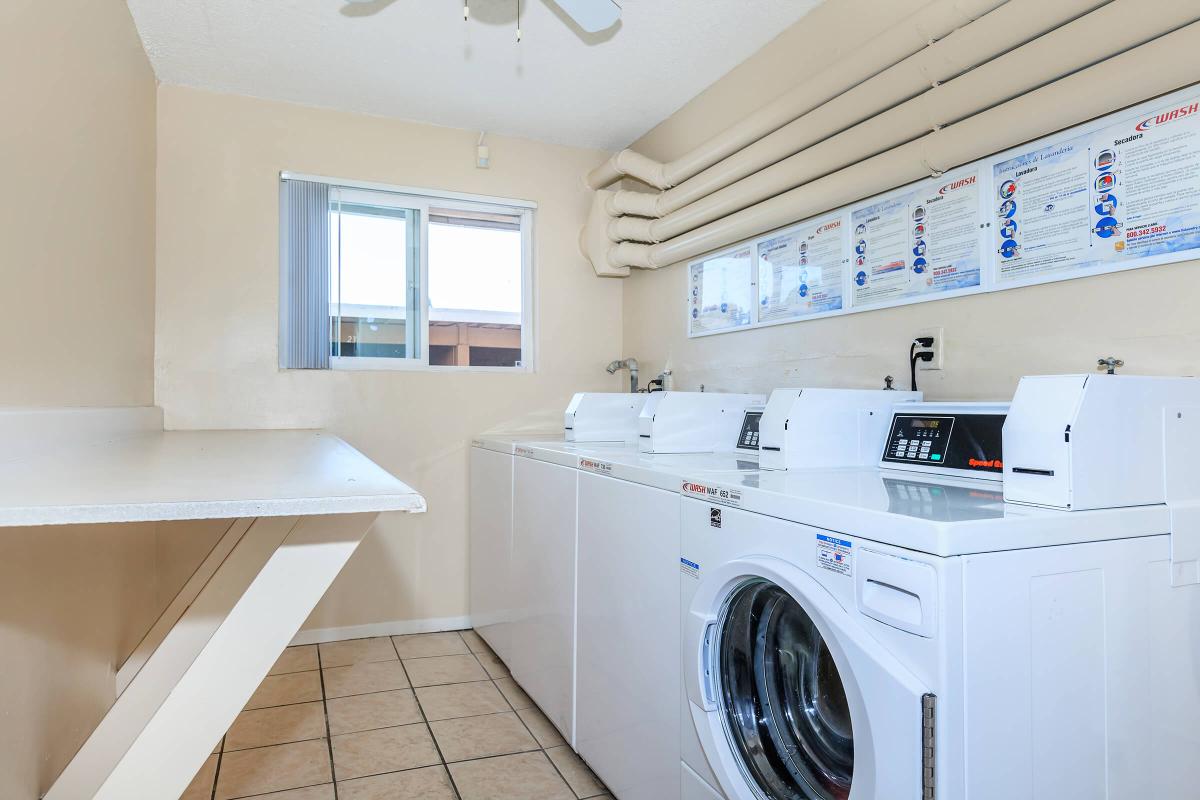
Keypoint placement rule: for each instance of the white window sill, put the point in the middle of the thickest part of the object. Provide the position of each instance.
(370, 364)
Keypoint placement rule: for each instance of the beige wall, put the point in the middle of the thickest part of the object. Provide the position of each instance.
(1146, 317)
(77, 210)
(219, 159)
(74, 602)
(77, 132)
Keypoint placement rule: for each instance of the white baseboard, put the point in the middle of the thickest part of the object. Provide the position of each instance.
(397, 628)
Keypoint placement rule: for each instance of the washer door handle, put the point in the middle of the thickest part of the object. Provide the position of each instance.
(698, 667)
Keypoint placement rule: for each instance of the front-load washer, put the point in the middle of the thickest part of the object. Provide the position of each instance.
(628, 679)
(605, 420)
(545, 543)
(876, 634)
(490, 474)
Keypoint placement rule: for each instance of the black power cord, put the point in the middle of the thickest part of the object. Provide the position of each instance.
(914, 357)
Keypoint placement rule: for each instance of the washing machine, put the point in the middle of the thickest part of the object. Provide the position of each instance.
(545, 543)
(627, 676)
(887, 634)
(627, 712)
(599, 419)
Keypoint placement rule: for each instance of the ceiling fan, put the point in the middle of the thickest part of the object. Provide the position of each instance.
(592, 16)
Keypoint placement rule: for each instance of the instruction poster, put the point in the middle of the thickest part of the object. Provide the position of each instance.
(1102, 200)
(919, 243)
(721, 292)
(800, 271)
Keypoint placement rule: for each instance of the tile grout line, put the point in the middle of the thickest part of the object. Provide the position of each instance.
(421, 710)
(217, 771)
(543, 749)
(490, 678)
(328, 730)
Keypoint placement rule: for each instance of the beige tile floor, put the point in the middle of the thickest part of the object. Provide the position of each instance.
(432, 716)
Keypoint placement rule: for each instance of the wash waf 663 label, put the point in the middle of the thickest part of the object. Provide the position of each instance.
(713, 494)
(592, 465)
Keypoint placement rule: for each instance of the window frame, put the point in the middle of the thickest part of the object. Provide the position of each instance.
(417, 318)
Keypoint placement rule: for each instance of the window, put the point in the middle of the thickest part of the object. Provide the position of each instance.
(414, 280)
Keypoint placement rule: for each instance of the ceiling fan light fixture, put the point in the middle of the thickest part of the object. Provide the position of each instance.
(591, 15)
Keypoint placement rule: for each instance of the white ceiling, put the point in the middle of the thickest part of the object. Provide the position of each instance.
(418, 60)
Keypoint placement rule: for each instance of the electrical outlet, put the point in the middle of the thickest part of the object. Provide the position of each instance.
(939, 347)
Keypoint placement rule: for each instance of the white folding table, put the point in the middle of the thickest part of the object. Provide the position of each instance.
(298, 505)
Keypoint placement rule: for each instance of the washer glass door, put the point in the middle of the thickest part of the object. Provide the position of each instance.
(783, 701)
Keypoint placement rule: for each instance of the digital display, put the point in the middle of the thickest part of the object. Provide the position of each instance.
(748, 438)
(968, 442)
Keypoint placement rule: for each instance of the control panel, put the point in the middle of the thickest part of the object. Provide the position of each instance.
(947, 438)
(748, 438)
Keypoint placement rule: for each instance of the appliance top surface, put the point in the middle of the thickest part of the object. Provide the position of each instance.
(930, 514)
(668, 470)
(625, 462)
(507, 442)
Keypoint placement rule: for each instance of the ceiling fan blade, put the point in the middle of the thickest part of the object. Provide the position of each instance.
(591, 15)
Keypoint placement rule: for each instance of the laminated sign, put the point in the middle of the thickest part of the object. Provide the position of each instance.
(920, 243)
(1121, 196)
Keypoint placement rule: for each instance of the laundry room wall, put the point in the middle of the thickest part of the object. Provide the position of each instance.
(77, 131)
(219, 159)
(1145, 317)
(77, 211)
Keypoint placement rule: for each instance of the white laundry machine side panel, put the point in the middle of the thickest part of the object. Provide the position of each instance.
(542, 660)
(696, 788)
(490, 553)
(1080, 674)
(628, 675)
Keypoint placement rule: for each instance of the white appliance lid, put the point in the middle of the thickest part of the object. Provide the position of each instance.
(944, 517)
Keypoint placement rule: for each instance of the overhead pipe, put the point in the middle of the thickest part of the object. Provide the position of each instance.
(1011, 25)
(1118, 26)
(1123, 80)
(927, 24)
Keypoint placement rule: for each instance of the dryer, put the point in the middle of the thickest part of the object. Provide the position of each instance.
(887, 635)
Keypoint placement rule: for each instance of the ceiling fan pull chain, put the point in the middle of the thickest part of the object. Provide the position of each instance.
(518, 21)
(466, 10)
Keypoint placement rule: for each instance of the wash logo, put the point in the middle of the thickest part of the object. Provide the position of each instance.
(958, 184)
(1168, 116)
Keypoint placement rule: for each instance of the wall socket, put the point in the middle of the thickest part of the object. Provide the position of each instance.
(939, 347)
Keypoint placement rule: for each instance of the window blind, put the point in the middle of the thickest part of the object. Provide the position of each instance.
(304, 278)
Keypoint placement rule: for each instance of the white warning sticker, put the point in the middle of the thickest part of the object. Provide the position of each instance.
(835, 555)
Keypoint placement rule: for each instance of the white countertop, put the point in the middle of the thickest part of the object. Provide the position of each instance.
(176, 475)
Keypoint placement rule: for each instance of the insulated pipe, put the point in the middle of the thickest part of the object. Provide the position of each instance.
(1147, 71)
(929, 23)
(1118, 26)
(997, 32)
(594, 242)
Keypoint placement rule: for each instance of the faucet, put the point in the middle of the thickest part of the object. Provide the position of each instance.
(630, 364)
